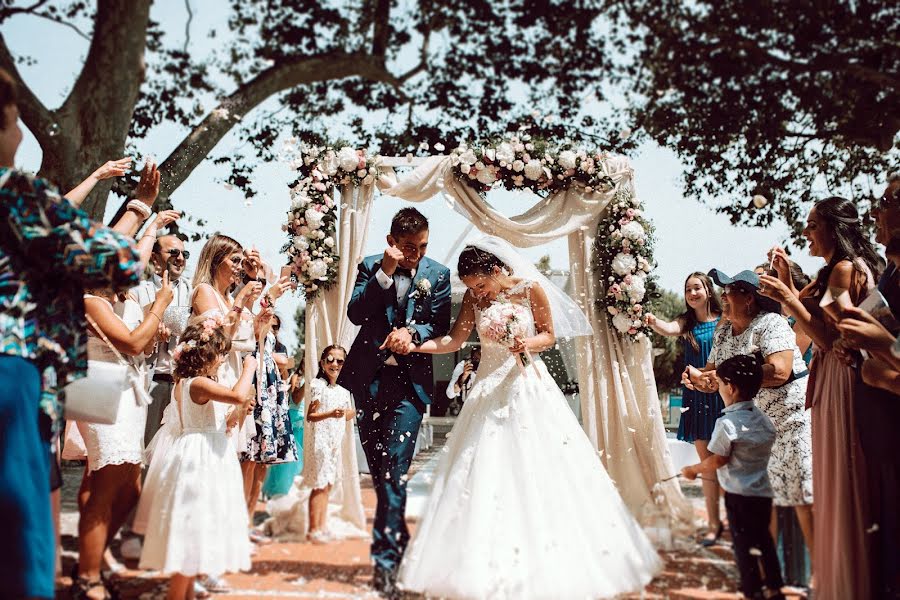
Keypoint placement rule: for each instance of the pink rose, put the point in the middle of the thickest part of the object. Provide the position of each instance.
(630, 212)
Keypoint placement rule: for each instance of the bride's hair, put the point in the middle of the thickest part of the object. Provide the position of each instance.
(473, 261)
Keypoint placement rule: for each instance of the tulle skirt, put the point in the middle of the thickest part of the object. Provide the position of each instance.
(521, 506)
(192, 510)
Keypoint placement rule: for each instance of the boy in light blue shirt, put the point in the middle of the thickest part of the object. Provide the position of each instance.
(741, 443)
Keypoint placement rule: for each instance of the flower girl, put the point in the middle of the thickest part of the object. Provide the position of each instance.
(329, 408)
(192, 509)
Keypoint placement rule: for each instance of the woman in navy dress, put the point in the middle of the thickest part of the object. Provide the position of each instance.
(699, 411)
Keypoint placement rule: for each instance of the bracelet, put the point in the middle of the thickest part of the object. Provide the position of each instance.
(155, 315)
(237, 308)
(140, 208)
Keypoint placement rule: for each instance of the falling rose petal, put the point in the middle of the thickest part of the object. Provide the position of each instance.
(755, 552)
(684, 409)
(873, 528)
(759, 201)
(227, 186)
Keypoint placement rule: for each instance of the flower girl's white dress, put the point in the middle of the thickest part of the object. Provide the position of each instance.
(192, 509)
(521, 506)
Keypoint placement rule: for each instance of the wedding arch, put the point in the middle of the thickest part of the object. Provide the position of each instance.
(584, 195)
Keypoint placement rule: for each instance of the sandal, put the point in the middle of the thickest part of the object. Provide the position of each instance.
(82, 585)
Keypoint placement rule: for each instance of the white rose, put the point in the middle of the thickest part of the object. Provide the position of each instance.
(518, 166)
(468, 157)
(486, 176)
(329, 241)
(505, 152)
(633, 231)
(623, 264)
(348, 159)
(329, 163)
(622, 322)
(636, 289)
(534, 169)
(317, 269)
(301, 243)
(313, 218)
(464, 168)
(567, 159)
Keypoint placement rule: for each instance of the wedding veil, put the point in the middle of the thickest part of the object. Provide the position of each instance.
(568, 319)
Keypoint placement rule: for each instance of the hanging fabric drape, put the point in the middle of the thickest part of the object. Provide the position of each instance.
(620, 406)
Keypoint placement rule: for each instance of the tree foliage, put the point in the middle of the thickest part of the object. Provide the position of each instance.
(777, 97)
(384, 74)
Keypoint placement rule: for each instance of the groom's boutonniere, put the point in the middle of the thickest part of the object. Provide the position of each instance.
(423, 289)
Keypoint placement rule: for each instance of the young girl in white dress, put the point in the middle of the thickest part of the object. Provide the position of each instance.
(192, 511)
(329, 409)
(521, 506)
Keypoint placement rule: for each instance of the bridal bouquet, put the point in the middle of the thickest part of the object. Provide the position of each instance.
(502, 323)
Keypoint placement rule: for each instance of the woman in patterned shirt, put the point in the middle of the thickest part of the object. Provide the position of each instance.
(49, 252)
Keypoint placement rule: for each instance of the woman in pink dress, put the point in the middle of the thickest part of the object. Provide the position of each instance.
(842, 553)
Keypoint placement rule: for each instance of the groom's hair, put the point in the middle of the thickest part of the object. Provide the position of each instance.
(408, 221)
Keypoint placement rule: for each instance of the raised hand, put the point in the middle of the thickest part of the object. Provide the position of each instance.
(391, 258)
(774, 288)
(280, 287)
(165, 293)
(250, 362)
(248, 294)
(166, 217)
(782, 264)
(252, 262)
(112, 168)
(148, 187)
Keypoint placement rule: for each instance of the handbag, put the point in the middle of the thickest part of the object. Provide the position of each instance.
(95, 398)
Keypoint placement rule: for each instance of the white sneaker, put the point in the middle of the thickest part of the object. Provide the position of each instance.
(131, 548)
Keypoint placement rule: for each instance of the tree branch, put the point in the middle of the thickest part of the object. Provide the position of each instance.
(423, 58)
(35, 115)
(9, 12)
(187, 26)
(195, 147)
(382, 28)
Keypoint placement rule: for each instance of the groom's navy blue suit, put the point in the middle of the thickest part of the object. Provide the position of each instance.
(391, 400)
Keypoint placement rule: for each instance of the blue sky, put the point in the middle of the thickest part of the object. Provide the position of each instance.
(690, 236)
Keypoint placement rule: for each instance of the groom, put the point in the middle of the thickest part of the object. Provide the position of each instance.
(400, 298)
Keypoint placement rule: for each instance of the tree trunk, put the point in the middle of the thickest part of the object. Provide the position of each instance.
(92, 125)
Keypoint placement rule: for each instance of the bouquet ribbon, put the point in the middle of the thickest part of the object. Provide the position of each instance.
(519, 362)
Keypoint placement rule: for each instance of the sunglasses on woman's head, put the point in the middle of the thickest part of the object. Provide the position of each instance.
(332, 359)
(176, 252)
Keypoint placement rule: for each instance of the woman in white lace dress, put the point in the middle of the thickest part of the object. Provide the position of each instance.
(112, 481)
(521, 506)
(329, 408)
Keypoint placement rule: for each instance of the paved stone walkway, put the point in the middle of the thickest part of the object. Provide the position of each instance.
(342, 569)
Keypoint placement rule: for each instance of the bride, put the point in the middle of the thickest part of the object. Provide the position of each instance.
(521, 506)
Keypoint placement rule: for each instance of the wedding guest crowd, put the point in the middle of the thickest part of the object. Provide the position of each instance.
(790, 392)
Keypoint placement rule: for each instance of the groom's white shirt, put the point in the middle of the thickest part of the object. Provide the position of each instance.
(403, 282)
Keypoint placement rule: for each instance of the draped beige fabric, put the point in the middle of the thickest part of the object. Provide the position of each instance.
(619, 403)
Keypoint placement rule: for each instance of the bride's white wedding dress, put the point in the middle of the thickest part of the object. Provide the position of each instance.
(521, 506)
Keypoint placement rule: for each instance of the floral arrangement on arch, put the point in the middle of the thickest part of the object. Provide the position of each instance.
(523, 163)
(312, 218)
(624, 254)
